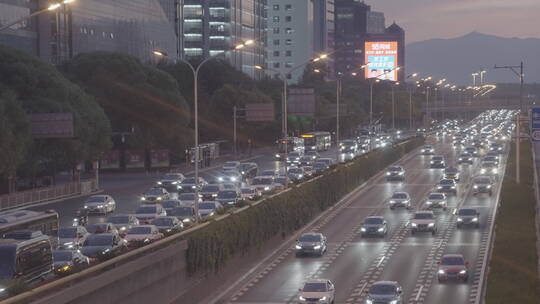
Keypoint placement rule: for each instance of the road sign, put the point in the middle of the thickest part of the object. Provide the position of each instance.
(535, 124)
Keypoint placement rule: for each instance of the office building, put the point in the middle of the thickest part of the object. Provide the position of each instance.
(22, 36)
(324, 31)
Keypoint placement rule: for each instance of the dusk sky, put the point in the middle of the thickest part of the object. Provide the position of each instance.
(427, 19)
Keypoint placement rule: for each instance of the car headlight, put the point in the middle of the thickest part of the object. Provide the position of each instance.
(85, 207)
(439, 187)
(186, 220)
(159, 198)
(317, 247)
(392, 202)
(220, 179)
(214, 194)
(322, 299)
(414, 224)
(100, 206)
(475, 186)
(211, 213)
(233, 179)
(401, 173)
(387, 173)
(368, 301)
(146, 240)
(475, 219)
(169, 230)
(460, 219)
(431, 224)
(453, 187)
(266, 188)
(441, 271)
(301, 298)
(431, 162)
(123, 228)
(278, 156)
(429, 203)
(298, 247)
(363, 229)
(159, 183)
(105, 251)
(483, 171)
(174, 183)
(463, 272)
(380, 229)
(393, 302)
(179, 187)
(494, 170)
(489, 186)
(143, 198)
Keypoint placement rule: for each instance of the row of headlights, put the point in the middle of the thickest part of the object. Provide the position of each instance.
(441, 271)
(379, 230)
(429, 225)
(461, 220)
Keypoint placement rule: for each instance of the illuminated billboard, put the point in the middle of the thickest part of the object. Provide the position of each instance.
(382, 60)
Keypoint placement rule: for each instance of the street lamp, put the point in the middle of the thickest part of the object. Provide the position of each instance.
(413, 75)
(52, 7)
(394, 105)
(196, 108)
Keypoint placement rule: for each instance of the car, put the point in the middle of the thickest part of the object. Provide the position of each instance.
(265, 184)
(453, 267)
(497, 148)
(465, 158)
(146, 213)
(170, 204)
(100, 204)
(248, 170)
(228, 197)
(458, 143)
(400, 199)
(491, 158)
(482, 184)
(71, 237)
(210, 191)
(189, 184)
(296, 174)
(98, 228)
(141, 235)
(313, 154)
(186, 214)
(387, 292)
(306, 160)
(468, 217)
(423, 221)
(317, 291)
(494, 154)
(123, 222)
(308, 171)
(311, 243)
(101, 247)
(170, 181)
(437, 161)
(188, 199)
(395, 173)
(328, 161)
(230, 166)
(155, 194)
(447, 186)
(451, 173)
(167, 224)
(250, 193)
(281, 182)
(436, 200)
(66, 262)
(473, 151)
(374, 226)
(427, 150)
(293, 157)
(319, 167)
(233, 177)
(268, 173)
(209, 208)
(489, 168)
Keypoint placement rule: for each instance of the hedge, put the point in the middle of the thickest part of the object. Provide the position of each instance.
(513, 267)
(210, 248)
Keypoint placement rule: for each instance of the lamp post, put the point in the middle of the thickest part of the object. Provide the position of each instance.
(410, 100)
(195, 71)
(394, 105)
(52, 7)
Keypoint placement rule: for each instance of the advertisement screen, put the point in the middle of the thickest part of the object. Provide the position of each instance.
(381, 59)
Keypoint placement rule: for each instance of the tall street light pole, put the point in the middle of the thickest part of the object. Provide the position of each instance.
(410, 99)
(195, 72)
(394, 105)
(52, 7)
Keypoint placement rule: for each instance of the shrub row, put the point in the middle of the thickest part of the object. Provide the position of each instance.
(210, 248)
(513, 268)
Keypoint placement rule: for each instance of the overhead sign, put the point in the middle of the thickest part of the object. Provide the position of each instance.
(381, 58)
(535, 124)
(301, 102)
(260, 112)
(52, 125)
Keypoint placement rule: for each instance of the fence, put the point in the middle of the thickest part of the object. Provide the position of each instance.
(28, 197)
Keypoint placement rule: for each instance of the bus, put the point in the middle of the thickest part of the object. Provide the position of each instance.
(46, 222)
(293, 144)
(317, 141)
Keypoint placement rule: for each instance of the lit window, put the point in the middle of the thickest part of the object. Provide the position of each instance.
(288, 7)
(275, 18)
(288, 64)
(288, 41)
(276, 7)
(289, 30)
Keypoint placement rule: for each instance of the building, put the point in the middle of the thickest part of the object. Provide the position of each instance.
(22, 36)
(324, 31)
(211, 27)
(375, 23)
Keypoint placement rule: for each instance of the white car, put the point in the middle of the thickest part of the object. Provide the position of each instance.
(423, 221)
(188, 199)
(265, 184)
(155, 194)
(147, 212)
(436, 200)
(249, 193)
(317, 291)
(100, 204)
(142, 235)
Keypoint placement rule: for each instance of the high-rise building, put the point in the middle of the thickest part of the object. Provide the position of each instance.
(24, 35)
(375, 23)
(324, 30)
(290, 39)
(211, 27)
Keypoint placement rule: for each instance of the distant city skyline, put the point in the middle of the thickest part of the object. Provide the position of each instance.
(429, 19)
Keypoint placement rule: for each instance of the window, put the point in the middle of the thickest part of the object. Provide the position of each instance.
(288, 18)
(288, 41)
(289, 30)
(288, 7)
(276, 65)
(276, 41)
(288, 53)
(275, 18)
(276, 7)
(288, 64)
(276, 53)
(289, 76)
(275, 30)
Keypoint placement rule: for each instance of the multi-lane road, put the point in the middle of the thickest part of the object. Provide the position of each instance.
(353, 263)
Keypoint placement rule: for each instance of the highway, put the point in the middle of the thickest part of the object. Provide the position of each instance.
(353, 263)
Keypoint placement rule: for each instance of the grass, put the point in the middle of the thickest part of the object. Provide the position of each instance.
(513, 269)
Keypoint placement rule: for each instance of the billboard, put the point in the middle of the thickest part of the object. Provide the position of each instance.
(260, 112)
(301, 102)
(382, 60)
(52, 125)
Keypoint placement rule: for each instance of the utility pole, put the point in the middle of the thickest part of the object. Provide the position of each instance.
(410, 109)
(338, 93)
(393, 107)
(234, 133)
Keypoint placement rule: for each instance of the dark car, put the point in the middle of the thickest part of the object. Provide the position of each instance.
(395, 173)
(190, 185)
(447, 186)
(465, 158)
(385, 292)
(167, 224)
(210, 192)
(170, 181)
(66, 262)
(170, 204)
(155, 194)
(228, 197)
(248, 170)
(311, 243)
(186, 214)
(101, 247)
(98, 228)
(437, 162)
(468, 217)
(374, 226)
(123, 222)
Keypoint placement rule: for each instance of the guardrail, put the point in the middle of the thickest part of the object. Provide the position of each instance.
(28, 197)
(54, 286)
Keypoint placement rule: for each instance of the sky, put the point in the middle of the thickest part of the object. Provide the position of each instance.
(427, 19)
